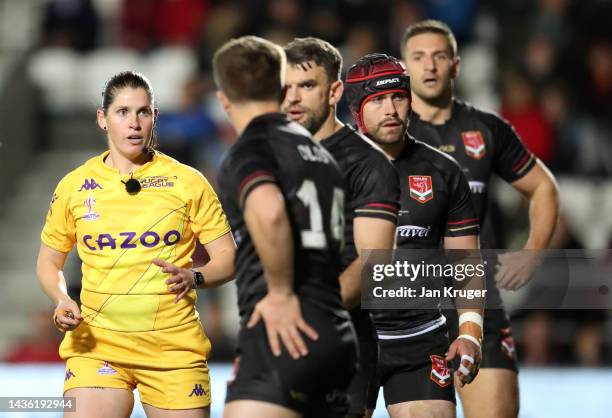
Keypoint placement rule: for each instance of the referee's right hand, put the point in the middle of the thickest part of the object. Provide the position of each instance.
(67, 315)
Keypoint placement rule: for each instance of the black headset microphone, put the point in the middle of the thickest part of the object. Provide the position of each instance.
(132, 186)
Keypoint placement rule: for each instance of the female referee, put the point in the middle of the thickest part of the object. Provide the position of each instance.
(134, 215)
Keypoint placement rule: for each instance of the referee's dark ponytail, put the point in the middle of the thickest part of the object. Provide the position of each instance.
(133, 80)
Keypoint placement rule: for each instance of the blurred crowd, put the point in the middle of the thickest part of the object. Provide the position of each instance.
(544, 65)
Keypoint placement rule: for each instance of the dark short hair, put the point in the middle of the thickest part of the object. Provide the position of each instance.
(303, 50)
(122, 80)
(429, 26)
(250, 69)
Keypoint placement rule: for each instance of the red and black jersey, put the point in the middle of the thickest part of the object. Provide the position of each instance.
(483, 144)
(371, 182)
(372, 191)
(435, 203)
(274, 150)
(435, 198)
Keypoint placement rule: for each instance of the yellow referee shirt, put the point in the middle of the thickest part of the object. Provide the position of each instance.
(118, 235)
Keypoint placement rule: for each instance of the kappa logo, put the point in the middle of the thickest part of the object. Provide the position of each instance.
(69, 374)
(387, 81)
(440, 373)
(90, 203)
(421, 188)
(507, 343)
(474, 144)
(197, 390)
(413, 231)
(90, 184)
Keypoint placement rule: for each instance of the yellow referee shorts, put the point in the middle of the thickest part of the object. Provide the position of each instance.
(168, 367)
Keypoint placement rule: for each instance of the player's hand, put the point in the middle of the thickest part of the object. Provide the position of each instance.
(282, 317)
(67, 315)
(470, 356)
(516, 268)
(180, 281)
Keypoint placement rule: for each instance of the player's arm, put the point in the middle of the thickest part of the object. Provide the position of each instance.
(517, 166)
(49, 269)
(462, 229)
(468, 344)
(374, 192)
(268, 224)
(540, 187)
(368, 233)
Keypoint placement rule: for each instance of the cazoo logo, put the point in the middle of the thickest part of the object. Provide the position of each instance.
(127, 240)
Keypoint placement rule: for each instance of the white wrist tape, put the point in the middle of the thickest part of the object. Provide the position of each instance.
(470, 338)
(468, 358)
(471, 317)
(464, 370)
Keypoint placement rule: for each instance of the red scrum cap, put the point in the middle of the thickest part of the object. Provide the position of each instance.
(373, 75)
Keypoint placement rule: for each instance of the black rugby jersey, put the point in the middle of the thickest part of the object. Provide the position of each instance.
(274, 150)
(482, 143)
(372, 191)
(435, 203)
(371, 182)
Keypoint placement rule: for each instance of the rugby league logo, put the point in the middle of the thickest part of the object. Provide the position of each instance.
(421, 188)
(474, 144)
(440, 373)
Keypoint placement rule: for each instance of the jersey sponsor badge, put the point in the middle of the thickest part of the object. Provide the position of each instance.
(413, 231)
(440, 373)
(421, 188)
(474, 144)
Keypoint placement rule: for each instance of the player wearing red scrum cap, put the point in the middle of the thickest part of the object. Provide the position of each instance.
(413, 343)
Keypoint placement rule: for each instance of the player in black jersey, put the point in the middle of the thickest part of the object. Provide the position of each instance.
(284, 197)
(483, 144)
(435, 203)
(313, 90)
